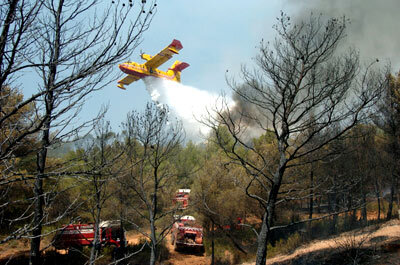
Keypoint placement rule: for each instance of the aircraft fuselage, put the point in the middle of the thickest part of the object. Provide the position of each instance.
(140, 71)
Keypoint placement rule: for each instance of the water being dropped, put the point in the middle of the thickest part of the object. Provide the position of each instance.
(188, 104)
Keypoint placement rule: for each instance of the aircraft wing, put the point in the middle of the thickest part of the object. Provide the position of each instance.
(164, 55)
(127, 80)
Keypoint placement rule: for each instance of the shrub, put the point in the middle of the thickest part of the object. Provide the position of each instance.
(285, 246)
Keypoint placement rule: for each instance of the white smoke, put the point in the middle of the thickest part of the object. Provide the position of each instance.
(188, 104)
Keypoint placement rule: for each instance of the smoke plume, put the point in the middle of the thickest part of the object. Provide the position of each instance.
(373, 29)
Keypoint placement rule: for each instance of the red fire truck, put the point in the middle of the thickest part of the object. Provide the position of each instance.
(186, 234)
(182, 198)
(80, 235)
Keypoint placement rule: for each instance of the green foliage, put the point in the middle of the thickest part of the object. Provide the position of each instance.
(187, 162)
(16, 120)
(217, 192)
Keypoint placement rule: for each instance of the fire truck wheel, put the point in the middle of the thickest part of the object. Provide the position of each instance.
(201, 249)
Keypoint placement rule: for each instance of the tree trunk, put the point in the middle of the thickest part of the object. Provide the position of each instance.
(378, 197)
(38, 217)
(311, 200)
(391, 199)
(364, 201)
(152, 255)
(153, 247)
(335, 209)
(268, 217)
(96, 245)
(262, 241)
(350, 215)
(333, 201)
(319, 204)
(379, 206)
(153, 244)
(34, 258)
(153, 212)
(212, 244)
(97, 237)
(364, 208)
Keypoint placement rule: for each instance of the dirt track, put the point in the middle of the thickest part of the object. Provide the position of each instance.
(180, 258)
(176, 258)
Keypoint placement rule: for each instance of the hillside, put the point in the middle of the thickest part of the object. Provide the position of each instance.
(372, 245)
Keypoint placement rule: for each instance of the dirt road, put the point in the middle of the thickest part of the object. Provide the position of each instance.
(175, 258)
(183, 258)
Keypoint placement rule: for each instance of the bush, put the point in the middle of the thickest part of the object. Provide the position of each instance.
(351, 245)
(285, 246)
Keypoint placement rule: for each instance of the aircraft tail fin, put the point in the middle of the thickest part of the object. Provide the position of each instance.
(175, 46)
(176, 68)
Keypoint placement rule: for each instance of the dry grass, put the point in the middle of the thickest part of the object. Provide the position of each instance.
(371, 237)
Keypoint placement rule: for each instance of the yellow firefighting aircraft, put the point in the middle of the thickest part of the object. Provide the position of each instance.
(137, 71)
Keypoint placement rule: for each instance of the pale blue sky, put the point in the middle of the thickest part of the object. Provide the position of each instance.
(216, 36)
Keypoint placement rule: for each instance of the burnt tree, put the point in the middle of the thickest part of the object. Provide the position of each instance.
(300, 75)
